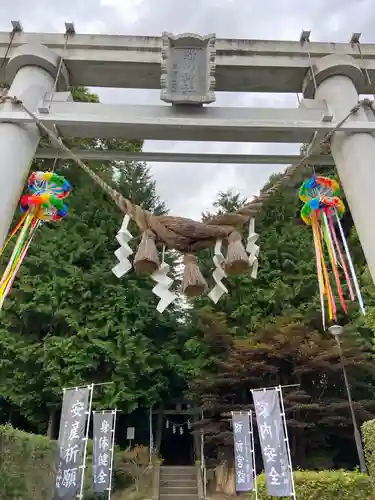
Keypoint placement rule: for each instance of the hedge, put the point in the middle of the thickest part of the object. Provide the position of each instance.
(27, 464)
(368, 432)
(27, 471)
(325, 485)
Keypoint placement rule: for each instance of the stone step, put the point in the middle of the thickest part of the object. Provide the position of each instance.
(173, 496)
(178, 492)
(177, 489)
(184, 475)
(178, 472)
(175, 481)
(178, 477)
(178, 483)
(188, 468)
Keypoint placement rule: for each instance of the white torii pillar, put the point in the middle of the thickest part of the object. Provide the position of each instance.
(337, 79)
(31, 71)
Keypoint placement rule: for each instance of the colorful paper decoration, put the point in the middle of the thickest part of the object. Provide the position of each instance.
(323, 210)
(42, 202)
(45, 192)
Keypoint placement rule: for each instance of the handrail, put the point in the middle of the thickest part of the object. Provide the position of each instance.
(201, 488)
(203, 464)
(155, 480)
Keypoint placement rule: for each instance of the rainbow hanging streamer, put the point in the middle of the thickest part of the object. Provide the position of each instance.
(42, 202)
(322, 210)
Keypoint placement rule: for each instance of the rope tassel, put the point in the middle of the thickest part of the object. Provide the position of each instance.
(237, 260)
(146, 260)
(193, 282)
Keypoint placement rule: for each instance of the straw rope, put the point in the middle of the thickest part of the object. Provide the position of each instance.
(185, 235)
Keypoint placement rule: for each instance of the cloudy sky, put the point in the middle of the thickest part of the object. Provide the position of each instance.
(329, 20)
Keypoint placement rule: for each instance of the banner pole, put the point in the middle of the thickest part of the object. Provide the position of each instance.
(253, 453)
(283, 417)
(114, 412)
(264, 389)
(80, 496)
(151, 435)
(76, 387)
(203, 461)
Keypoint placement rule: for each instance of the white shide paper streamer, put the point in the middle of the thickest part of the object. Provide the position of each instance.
(161, 289)
(218, 275)
(123, 253)
(253, 249)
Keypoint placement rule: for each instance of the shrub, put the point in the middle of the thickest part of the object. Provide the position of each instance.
(135, 462)
(368, 432)
(326, 485)
(27, 465)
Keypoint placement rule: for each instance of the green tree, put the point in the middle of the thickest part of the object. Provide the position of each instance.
(288, 353)
(287, 278)
(282, 301)
(70, 321)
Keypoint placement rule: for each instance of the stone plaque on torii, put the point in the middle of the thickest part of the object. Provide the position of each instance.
(188, 69)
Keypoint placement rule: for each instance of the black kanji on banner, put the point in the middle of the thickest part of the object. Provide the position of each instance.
(104, 423)
(242, 442)
(273, 442)
(72, 442)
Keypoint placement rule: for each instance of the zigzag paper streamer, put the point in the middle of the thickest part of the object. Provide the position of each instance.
(218, 275)
(161, 290)
(253, 249)
(122, 253)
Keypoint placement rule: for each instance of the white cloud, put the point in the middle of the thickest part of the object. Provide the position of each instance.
(131, 10)
(178, 184)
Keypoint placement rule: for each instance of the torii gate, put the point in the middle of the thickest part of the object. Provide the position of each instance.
(40, 67)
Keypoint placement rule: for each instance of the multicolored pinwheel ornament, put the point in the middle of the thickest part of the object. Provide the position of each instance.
(322, 210)
(42, 202)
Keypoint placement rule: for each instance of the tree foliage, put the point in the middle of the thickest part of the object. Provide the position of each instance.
(291, 354)
(70, 321)
(268, 331)
(325, 485)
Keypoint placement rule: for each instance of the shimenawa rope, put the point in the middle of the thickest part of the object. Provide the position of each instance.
(183, 234)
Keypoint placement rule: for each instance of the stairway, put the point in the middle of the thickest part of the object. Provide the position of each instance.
(178, 483)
